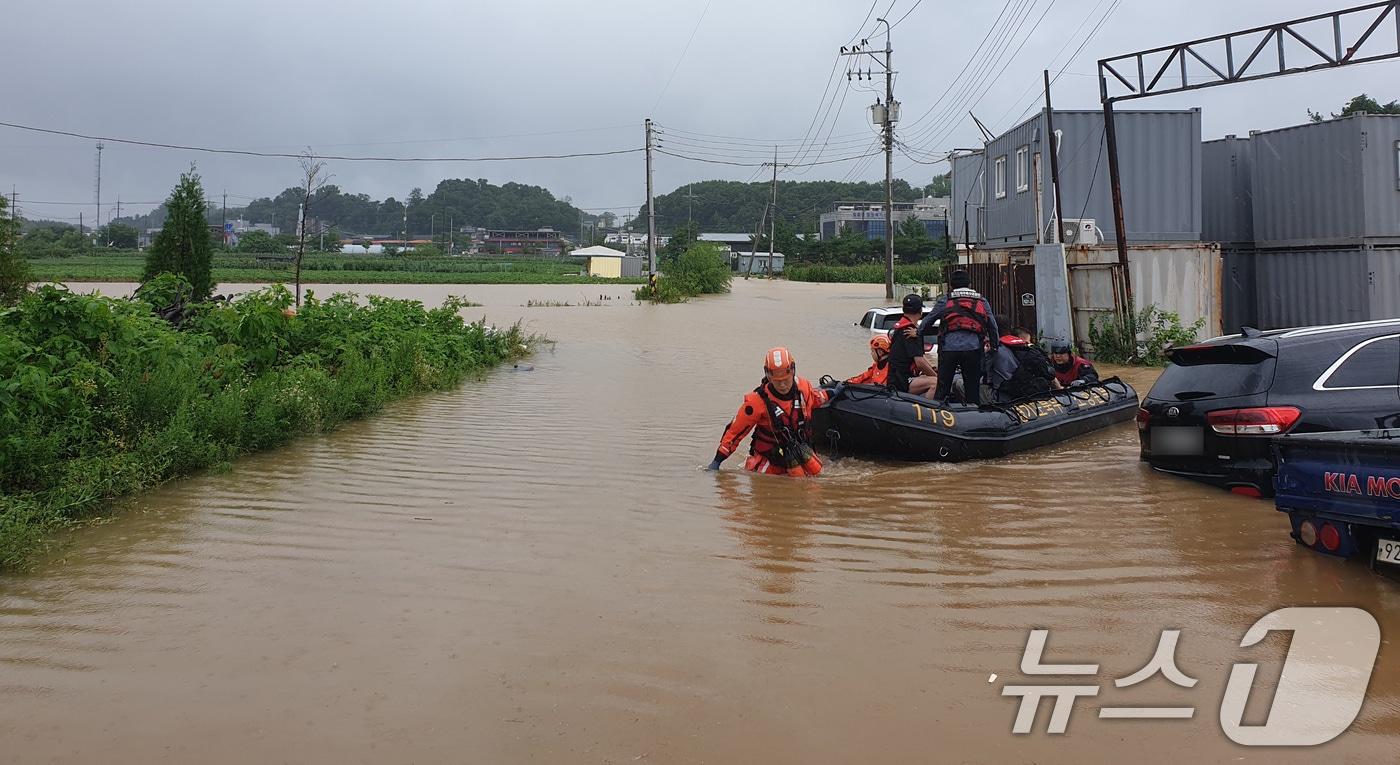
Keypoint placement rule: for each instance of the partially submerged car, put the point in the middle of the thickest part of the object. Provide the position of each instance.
(881, 320)
(1212, 413)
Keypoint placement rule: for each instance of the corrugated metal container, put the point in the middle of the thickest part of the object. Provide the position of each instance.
(968, 188)
(1328, 184)
(1160, 161)
(757, 263)
(633, 266)
(1227, 209)
(1299, 288)
(1239, 295)
(1177, 278)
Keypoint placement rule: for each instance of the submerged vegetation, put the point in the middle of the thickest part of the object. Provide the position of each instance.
(100, 397)
(702, 269)
(923, 273)
(334, 268)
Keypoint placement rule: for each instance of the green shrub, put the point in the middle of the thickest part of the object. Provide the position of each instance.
(1143, 337)
(703, 269)
(99, 397)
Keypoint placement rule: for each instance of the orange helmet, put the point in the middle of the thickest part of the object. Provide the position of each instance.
(880, 343)
(778, 364)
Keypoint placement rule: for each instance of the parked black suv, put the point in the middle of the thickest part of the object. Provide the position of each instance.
(1216, 406)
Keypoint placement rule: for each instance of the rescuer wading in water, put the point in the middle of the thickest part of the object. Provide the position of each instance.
(779, 412)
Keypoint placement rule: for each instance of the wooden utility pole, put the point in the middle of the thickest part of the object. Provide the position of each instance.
(772, 212)
(651, 209)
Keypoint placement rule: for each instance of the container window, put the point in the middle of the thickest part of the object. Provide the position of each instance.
(1374, 363)
(1022, 171)
(1001, 177)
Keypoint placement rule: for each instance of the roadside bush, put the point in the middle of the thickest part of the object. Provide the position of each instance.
(99, 397)
(1141, 338)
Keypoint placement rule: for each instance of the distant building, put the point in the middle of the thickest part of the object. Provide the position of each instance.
(541, 241)
(868, 218)
(734, 241)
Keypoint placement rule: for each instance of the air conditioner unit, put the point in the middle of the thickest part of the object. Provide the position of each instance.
(1080, 231)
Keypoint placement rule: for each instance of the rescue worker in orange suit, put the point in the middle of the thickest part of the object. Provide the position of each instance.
(1071, 369)
(879, 371)
(779, 412)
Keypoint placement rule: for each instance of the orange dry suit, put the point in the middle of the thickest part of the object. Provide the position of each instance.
(780, 428)
(877, 374)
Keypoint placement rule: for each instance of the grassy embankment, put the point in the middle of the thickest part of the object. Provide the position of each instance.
(99, 397)
(923, 273)
(320, 268)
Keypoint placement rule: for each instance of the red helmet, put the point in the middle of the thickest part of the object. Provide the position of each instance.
(880, 343)
(778, 364)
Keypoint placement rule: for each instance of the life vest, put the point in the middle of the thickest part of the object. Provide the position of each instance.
(1012, 341)
(1075, 371)
(781, 437)
(965, 313)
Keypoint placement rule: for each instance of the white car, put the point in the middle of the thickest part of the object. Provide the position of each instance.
(881, 320)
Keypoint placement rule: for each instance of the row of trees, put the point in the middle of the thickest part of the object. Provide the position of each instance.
(735, 206)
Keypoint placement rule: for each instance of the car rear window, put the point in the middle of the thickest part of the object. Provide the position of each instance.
(1215, 371)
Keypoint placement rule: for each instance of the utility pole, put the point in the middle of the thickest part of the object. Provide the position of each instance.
(651, 209)
(223, 227)
(690, 206)
(119, 206)
(773, 212)
(884, 115)
(98, 192)
(1054, 162)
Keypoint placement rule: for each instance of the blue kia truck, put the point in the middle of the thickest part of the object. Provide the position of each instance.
(1341, 491)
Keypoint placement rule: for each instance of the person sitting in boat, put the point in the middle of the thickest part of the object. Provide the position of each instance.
(1070, 368)
(879, 371)
(909, 370)
(779, 412)
(967, 330)
(1020, 369)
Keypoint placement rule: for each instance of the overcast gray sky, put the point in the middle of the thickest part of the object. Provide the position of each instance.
(453, 78)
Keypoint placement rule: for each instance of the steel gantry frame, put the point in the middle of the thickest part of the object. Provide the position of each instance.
(1218, 56)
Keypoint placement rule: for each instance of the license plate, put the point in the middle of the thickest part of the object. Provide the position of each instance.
(1388, 551)
(1178, 442)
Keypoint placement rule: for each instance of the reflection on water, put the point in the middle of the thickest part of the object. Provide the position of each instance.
(534, 567)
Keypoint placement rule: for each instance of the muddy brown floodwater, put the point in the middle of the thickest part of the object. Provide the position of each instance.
(535, 568)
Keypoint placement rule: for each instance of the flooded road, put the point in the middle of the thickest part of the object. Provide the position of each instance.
(534, 568)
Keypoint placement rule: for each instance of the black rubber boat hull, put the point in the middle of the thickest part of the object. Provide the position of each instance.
(864, 420)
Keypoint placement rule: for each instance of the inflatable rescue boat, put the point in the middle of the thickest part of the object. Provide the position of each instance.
(867, 420)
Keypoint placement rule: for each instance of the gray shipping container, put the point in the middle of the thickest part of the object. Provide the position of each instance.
(1298, 288)
(1160, 161)
(967, 195)
(1328, 184)
(1239, 295)
(633, 266)
(1227, 214)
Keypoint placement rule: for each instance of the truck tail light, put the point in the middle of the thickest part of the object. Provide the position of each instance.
(1142, 417)
(1256, 421)
(1307, 533)
(1330, 537)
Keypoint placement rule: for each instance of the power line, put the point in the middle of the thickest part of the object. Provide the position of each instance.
(906, 13)
(684, 50)
(1092, 33)
(759, 164)
(283, 155)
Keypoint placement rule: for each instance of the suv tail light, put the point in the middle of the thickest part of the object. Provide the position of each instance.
(1257, 421)
(1142, 417)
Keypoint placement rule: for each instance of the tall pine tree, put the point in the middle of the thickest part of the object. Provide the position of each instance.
(182, 246)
